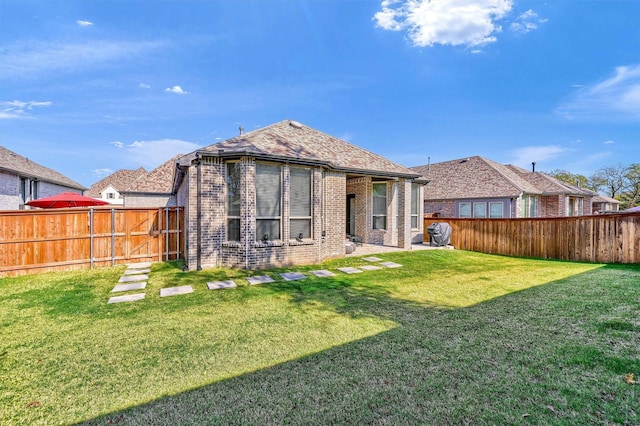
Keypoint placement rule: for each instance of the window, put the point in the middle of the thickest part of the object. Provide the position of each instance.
(496, 210)
(415, 205)
(268, 201)
(111, 195)
(464, 210)
(34, 189)
(528, 206)
(23, 189)
(480, 210)
(379, 206)
(233, 201)
(300, 180)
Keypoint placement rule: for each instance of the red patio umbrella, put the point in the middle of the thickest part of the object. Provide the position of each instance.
(65, 200)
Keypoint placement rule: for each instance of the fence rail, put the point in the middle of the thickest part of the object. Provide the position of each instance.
(54, 240)
(608, 238)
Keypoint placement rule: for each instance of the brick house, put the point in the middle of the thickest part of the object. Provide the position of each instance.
(23, 180)
(604, 204)
(476, 187)
(289, 194)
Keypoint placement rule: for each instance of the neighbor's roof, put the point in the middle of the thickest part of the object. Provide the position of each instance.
(157, 181)
(291, 141)
(548, 184)
(604, 199)
(472, 177)
(119, 180)
(14, 163)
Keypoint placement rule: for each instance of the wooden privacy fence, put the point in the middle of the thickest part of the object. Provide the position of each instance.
(53, 240)
(607, 238)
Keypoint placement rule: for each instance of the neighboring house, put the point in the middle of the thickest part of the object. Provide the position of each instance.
(289, 194)
(604, 204)
(109, 188)
(23, 180)
(153, 189)
(558, 198)
(477, 187)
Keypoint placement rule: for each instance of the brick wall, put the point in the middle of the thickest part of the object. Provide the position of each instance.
(149, 200)
(443, 208)
(9, 191)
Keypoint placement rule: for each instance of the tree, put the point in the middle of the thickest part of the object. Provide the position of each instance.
(612, 180)
(572, 179)
(631, 197)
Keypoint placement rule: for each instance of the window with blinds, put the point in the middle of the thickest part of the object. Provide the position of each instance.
(233, 201)
(300, 210)
(268, 201)
(379, 206)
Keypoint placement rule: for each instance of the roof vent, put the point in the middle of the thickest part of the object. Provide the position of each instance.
(295, 124)
(464, 160)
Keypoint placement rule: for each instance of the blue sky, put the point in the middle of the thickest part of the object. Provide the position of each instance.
(89, 87)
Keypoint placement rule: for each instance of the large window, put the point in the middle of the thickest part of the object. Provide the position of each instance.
(496, 210)
(415, 205)
(233, 201)
(464, 210)
(480, 210)
(268, 201)
(528, 206)
(300, 202)
(379, 206)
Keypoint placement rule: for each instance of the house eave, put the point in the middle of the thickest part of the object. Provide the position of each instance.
(42, 179)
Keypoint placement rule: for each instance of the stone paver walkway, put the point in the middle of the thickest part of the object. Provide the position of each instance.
(390, 264)
(261, 279)
(293, 276)
(129, 287)
(217, 285)
(323, 273)
(370, 267)
(126, 298)
(174, 291)
(349, 270)
(133, 278)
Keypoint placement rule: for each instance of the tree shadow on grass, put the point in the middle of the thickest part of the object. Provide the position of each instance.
(520, 358)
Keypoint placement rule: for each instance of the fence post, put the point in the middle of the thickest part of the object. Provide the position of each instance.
(166, 234)
(90, 238)
(178, 235)
(113, 237)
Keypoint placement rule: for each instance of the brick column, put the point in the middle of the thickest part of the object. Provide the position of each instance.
(404, 214)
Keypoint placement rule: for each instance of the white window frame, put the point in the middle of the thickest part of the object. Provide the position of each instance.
(465, 204)
(496, 203)
(415, 206)
(228, 200)
(260, 236)
(373, 204)
(292, 199)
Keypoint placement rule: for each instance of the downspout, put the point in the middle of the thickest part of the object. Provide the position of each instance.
(198, 213)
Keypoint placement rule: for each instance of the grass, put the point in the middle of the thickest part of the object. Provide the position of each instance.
(452, 337)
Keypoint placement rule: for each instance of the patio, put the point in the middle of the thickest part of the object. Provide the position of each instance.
(368, 249)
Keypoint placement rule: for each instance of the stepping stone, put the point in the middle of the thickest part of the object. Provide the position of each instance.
(370, 267)
(129, 287)
(350, 270)
(174, 291)
(261, 279)
(323, 273)
(136, 271)
(217, 285)
(133, 278)
(390, 264)
(293, 276)
(372, 259)
(126, 298)
(141, 265)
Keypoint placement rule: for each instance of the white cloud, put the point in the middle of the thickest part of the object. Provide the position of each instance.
(19, 109)
(176, 89)
(117, 144)
(100, 173)
(82, 23)
(617, 97)
(524, 156)
(450, 22)
(528, 21)
(609, 142)
(144, 86)
(26, 59)
(151, 154)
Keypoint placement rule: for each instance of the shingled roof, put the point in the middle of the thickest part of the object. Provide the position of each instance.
(292, 141)
(119, 180)
(15, 163)
(157, 181)
(548, 184)
(472, 177)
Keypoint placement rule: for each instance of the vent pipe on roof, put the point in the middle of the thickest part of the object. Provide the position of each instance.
(428, 164)
(533, 167)
(241, 130)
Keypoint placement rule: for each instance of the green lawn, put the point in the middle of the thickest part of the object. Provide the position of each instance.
(452, 337)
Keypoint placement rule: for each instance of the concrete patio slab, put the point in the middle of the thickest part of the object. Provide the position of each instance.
(133, 278)
(141, 265)
(126, 298)
(261, 279)
(129, 287)
(372, 259)
(218, 285)
(323, 273)
(350, 270)
(174, 291)
(136, 271)
(391, 264)
(293, 276)
(370, 267)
